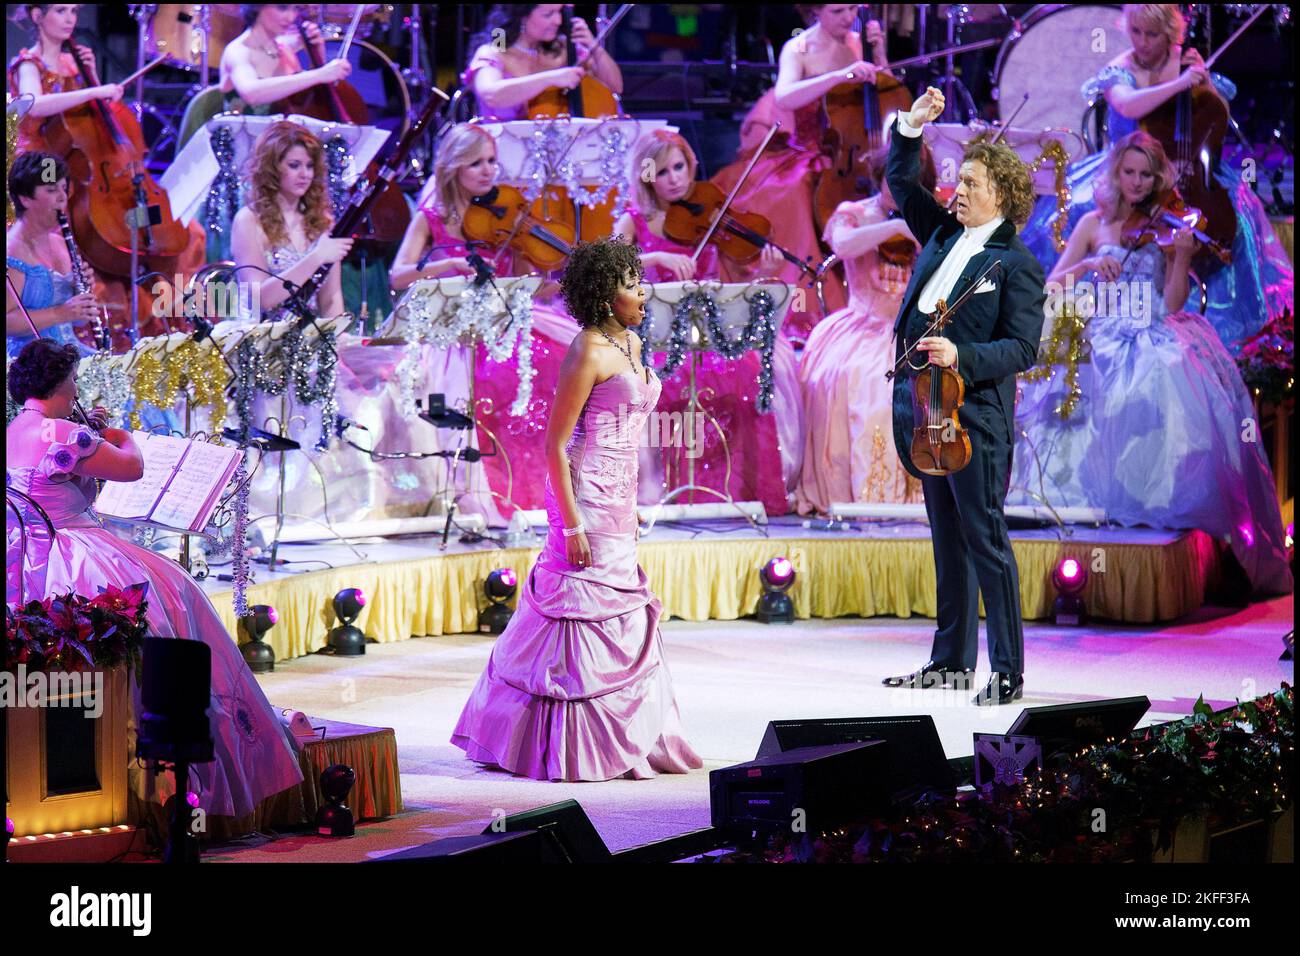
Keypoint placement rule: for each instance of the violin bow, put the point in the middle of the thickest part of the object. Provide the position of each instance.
(945, 314)
(27, 317)
(604, 31)
(352, 31)
(1264, 7)
(713, 226)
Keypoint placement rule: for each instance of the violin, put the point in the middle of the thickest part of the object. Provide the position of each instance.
(740, 236)
(104, 148)
(1160, 221)
(900, 250)
(852, 117)
(341, 103)
(503, 217)
(940, 445)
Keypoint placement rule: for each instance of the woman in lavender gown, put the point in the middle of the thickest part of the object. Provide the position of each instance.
(1164, 432)
(577, 687)
(56, 462)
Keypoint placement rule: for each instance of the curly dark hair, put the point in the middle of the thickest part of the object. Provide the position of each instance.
(40, 368)
(593, 275)
(30, 170)
(1009, 176)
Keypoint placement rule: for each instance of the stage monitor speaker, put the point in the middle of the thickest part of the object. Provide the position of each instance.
(567, 834)
(1075, 725)
(916, 757)
(525, 846)
(806, 790)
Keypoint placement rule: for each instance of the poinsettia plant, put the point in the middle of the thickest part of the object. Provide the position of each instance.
(71, 632)
(1267, 360)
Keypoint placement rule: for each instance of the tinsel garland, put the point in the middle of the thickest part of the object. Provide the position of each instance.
(11, 148)
(548, 161)
(1060, 160)
(759, 333)
(337, 160)
(101, 380)
(294, 363)
(471, 314)
(238, 548)
(193, 368)
(223, 194)
(1068, 331)
(12, 408)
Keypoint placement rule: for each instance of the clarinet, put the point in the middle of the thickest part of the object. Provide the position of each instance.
(81, 284)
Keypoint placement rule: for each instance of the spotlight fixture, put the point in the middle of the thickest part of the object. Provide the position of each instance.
(258, 654)
(775, 606)
(335, 819)
(348, 640)
(499, 587)
(1069, 578)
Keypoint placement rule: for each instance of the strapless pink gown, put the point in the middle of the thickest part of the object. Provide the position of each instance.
(254, 756)
(577, 687)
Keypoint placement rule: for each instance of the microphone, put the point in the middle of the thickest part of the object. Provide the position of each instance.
(483, 273)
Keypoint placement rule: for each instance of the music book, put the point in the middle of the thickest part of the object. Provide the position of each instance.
(181, 486)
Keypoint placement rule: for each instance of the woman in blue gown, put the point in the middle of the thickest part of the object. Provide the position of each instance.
(1163, 433)
(1260, 284)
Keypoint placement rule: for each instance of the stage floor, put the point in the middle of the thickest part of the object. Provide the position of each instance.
(731, 678)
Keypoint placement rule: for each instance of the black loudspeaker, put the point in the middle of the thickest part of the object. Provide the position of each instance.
(1061, 726)
(916, 758)
(175, 689)
(525, 846)
(805, 790)
(567, 834)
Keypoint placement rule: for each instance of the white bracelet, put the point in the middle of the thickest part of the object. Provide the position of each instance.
(574, 532)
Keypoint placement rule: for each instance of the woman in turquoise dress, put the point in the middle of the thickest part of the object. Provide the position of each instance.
(38, 260)
(1260, 283)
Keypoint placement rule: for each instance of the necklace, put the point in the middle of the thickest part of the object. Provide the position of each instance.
(626, 348)
(272, 50)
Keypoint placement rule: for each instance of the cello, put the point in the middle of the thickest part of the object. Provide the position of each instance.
(853, 117)
(590, 99)
(1191, 126)
(104, 148)
(341, 103)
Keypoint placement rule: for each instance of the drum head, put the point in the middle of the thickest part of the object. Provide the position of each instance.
(379, 82)
(1060, 48)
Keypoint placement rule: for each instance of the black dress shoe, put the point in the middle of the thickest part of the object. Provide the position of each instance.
(1001, 689)
(932, 675)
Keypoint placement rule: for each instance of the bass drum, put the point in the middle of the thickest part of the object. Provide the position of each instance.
(1057, 49)
(378, 80)
(173, 30)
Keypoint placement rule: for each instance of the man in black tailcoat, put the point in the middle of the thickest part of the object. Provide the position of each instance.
(992, 337)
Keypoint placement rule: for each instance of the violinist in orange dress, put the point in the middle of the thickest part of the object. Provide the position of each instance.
(81, 120)
(669, 204)
(782, 185)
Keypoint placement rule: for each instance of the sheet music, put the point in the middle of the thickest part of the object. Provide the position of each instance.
(135, 499)
(188, 500)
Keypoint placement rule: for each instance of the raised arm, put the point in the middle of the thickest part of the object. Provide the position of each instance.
(51, 104)
(258, 90)
(921, 211)
(793, 91)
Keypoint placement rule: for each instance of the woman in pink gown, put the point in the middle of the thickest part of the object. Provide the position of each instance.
(577, 687)
(435, 246)
(848, 404)
(764, 447)
(56, 462)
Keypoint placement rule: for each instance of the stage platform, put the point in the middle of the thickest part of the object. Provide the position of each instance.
(730, 679)
(708, 571)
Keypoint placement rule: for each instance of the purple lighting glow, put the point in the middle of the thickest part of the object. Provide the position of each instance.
(508, 577)
(271, 615)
